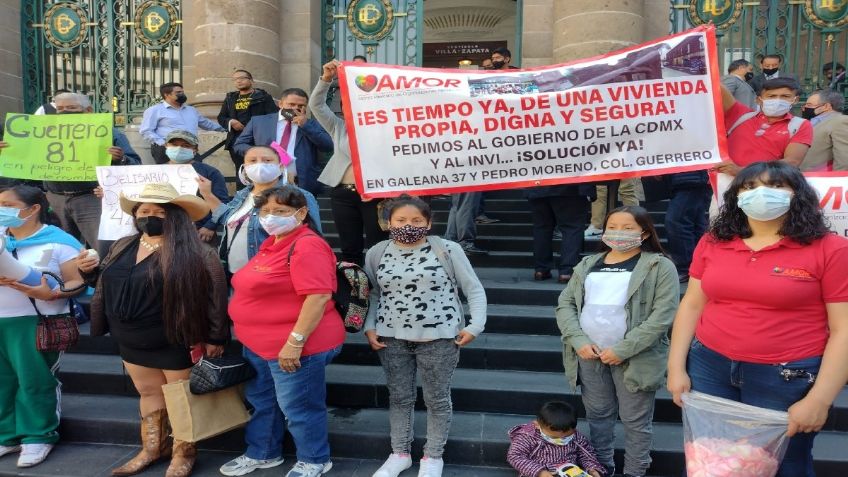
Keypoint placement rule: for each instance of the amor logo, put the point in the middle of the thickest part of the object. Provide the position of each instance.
(369, 83)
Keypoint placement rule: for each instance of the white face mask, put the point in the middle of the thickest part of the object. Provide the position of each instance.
(278, 224)
(263, 172)
(776, 107)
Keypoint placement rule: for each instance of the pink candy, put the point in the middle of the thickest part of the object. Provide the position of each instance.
(709, 457)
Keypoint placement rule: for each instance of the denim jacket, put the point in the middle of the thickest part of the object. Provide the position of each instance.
(652, 298)
(255, 233)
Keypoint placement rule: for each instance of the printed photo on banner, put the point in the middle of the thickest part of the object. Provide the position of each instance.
(648, 110)
(130, 180)
(55, 147)
(832, 188)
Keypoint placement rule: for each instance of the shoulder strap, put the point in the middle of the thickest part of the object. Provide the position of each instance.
(740, 120)
(443, 255)
(794, 125)
(291, 250)
(31, 299)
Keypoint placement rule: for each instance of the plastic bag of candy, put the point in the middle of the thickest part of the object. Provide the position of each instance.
(570, 470)
(724, 438)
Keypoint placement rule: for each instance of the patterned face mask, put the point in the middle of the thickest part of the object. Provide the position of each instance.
(408, 234)
(557, 441)
(622, 240)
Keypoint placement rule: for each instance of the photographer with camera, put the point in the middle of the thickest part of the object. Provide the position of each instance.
(301, 137)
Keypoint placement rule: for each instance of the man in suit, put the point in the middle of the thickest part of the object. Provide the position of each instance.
(300, 136)
(829, 150)
(770, 65)
(736, 81)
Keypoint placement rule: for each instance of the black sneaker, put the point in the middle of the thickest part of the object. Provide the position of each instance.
(472, 249)
(484, 220)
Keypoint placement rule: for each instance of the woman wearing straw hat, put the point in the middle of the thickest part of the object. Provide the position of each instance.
(159, 293)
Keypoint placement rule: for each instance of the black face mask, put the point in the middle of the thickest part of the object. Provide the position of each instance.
(808, 113)
(770, 71)
(151, 225)
(749, 76)
(496, 65)
(181, 98)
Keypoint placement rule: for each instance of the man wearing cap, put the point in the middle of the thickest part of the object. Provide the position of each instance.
(181, 148)
(74, 202)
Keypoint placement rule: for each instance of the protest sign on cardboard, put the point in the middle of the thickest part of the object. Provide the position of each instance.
(56, 147)
(130, 180)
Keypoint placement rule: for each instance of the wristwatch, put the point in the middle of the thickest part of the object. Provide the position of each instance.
(299, 338)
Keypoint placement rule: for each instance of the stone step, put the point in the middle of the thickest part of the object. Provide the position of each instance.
(73, 459)
(477, 439)
(363, 386)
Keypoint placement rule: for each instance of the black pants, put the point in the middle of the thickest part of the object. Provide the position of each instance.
(353, 218)
(569, 215)
(238, 161)
(685, 222)
(158, 153)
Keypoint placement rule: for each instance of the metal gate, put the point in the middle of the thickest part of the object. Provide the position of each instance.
(117, 52)
(383, 31)
(807, 33)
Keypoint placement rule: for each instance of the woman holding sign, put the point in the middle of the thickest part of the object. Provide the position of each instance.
(159, 293)
(29, 389)
(767, 300)
(353, 215)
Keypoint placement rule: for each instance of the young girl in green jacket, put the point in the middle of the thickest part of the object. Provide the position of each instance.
(614, 316)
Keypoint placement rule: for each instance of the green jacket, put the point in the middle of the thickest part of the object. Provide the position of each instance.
(653, 296)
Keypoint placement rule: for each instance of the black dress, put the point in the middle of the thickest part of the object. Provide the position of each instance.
(132, 301)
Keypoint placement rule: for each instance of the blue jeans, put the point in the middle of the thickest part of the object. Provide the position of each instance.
(300, 396)
(463, 211)
(760, 385)
(686, 222)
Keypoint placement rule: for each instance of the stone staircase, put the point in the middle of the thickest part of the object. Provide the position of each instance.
(502, 378)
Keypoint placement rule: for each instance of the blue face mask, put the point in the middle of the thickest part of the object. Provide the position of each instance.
(9, 217)
(764, 203)
(557, 441)
(179, 155)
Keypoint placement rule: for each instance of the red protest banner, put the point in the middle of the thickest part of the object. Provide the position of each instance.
(651, 109)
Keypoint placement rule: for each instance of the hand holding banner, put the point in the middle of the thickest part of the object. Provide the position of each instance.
(56, 147)
(648, 110)
(130, 180)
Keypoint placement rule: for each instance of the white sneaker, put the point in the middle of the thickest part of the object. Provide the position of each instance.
(33, 454)
(394, 465)
(591, 231)
(9, 450)
(429, 467)
(244, 465)
(302, 469)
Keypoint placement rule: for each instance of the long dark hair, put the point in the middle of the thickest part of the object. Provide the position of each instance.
(643, 218)
(30, 196)
(803, 223)
(186, 292)
(291, 196)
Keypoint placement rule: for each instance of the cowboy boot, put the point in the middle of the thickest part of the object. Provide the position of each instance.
(155, 443)
(182, 461)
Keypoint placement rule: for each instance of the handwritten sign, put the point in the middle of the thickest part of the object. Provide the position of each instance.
(629, 113)
(56, 147)
(130, 180)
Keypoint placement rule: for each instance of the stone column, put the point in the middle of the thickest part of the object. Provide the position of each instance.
(537, 33)
(11, 78)
(585, 28)
(299, 47)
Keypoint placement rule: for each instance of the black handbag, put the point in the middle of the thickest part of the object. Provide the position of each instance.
(214, 374)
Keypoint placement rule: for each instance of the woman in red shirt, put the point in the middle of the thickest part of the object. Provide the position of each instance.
(765, 317)
(285, 318)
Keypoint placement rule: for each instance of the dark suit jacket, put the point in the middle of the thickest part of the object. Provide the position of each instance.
(311, 138)
(758, 80)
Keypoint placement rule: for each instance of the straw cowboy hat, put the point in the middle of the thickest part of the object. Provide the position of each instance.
(165, 193)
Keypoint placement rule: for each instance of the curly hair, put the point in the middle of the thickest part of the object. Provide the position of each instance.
(804, 222)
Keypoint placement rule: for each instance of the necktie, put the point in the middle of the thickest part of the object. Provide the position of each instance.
(284, 141)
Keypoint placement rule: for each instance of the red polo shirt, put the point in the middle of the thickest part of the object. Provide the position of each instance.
(745, 146)
(769, 306)
(268, 294)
